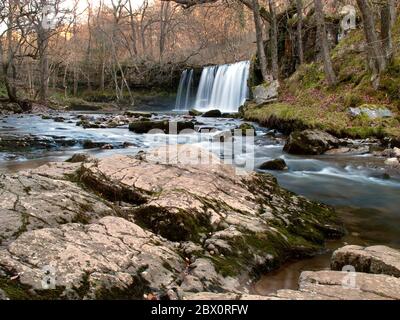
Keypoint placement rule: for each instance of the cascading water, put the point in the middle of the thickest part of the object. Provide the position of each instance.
(183, 97)
(222, 87)
(229, 87)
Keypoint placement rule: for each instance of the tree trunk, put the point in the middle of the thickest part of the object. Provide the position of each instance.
(328, 68)
(75, 81)
(102, 76)
(133, 28)
(376, 55)
(274, 41)
(260, 41)
(43, 64)
(299, 6)
(392, 8)
(386, 29)
(7, 60)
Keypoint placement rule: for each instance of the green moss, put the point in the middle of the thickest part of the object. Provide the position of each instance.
(17, 291)
(173, 223)
(306, 101)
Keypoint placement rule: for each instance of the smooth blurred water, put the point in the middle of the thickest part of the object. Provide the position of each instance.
(358, 186)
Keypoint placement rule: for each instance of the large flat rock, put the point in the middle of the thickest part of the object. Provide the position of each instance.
(169, 222)
(374, 259)
(112, 258)
(31, 200)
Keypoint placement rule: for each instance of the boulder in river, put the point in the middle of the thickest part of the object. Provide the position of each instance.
(212, 114)
(245, 129)
(393, 162)
(310, 142)
(168, 127)
(194, 113)
(277, 164)
(124, 226)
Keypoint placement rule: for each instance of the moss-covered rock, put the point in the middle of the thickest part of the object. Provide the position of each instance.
(175, 211)
(167, 127)
(276, 164)
(310, 142)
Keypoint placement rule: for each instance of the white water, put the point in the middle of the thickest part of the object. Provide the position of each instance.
(222, 87)
(183, 97)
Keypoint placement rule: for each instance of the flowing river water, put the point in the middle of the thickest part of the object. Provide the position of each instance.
(358, 186)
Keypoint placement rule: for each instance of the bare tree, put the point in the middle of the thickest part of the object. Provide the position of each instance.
(262, 58)
(375, 53)
(325, 50)
(274, 40)
(300, 52)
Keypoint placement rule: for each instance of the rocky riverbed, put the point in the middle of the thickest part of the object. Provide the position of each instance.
(210, 229)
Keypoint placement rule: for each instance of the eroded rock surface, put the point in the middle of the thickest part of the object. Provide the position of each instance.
(310, 142)
(374, 259)
(124, 226)
(30, 201)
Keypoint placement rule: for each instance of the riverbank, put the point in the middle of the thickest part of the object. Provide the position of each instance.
(352, 108)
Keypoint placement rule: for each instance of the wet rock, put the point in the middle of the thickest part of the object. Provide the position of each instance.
(194, 113)
(266, 92)
(59, 119)
(107, 147)
(78, 157)
(277, 164)
(89, 144)
(245, 129)
(391, 153)
(21, 143)
(393, 162)
(374, 259)
(212, 114)
(137, 114)
(311, 142)
(168, 127)
(127, 144)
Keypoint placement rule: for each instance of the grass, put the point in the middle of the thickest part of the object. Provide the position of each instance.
(306, 101)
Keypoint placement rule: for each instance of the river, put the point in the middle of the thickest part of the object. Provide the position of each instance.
(367, 199)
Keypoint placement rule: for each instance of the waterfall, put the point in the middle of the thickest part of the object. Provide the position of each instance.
(183, 97)
(223, 87)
